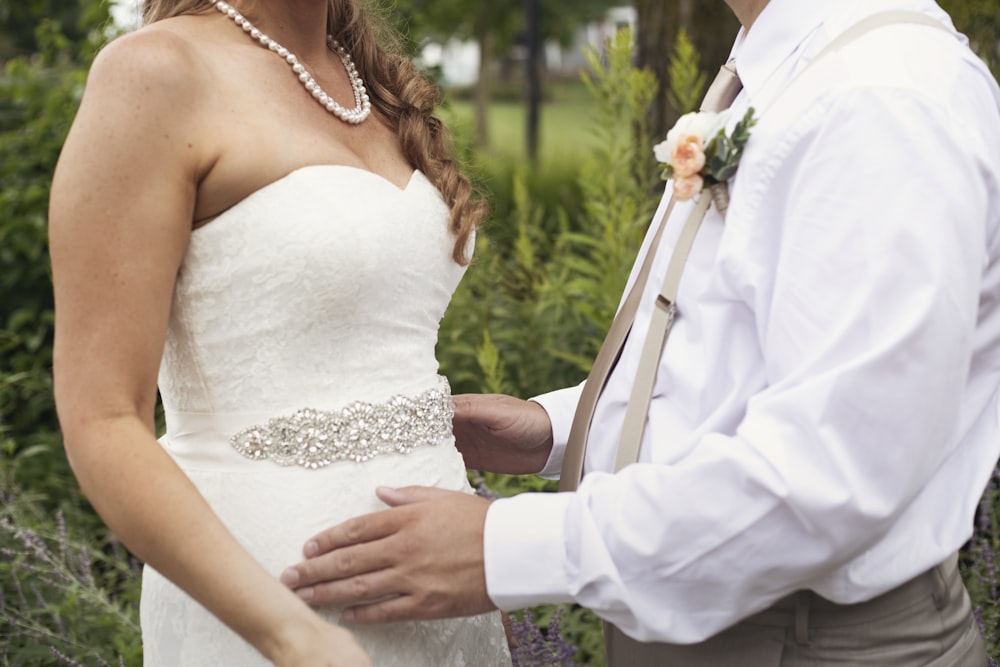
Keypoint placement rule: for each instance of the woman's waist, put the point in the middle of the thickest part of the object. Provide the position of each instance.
(309, 436)
(274, 510)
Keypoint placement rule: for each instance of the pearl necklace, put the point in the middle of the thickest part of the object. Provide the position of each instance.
(362, 103)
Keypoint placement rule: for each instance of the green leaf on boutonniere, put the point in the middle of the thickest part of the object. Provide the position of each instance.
(741, 133)
(724, 152)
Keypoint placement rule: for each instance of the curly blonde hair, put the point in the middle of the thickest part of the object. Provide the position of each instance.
(402, 97)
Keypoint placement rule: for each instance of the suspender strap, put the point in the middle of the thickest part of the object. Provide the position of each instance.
(866, 25)
(659, 328)
(614, 341)
(720, 95)
(665, 312)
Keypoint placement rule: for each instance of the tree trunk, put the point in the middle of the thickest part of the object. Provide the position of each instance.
(655, 35)
(711, 27)
(685, 18)
(534, 87)
(484, 84)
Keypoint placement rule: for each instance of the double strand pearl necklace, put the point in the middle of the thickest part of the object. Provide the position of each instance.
(362, 103)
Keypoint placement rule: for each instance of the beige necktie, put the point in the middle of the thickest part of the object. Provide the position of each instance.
(720, 95)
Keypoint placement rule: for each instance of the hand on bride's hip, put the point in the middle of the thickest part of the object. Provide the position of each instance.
(420, 559)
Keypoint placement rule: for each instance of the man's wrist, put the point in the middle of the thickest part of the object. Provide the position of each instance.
(524, 555)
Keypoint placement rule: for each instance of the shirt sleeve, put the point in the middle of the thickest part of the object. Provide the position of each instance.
(560, 406)
(866, 322)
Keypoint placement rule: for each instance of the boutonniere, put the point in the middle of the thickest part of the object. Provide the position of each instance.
(698, 154)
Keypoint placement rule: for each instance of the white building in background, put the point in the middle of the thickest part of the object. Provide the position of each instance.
(459, 60)
(127, 14)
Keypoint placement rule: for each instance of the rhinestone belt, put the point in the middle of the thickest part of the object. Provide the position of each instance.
(316, 438)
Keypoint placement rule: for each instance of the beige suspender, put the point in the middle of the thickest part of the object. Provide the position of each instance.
(607, 356)
(665, 310)
(719, 96)
(872, 22)
(662, 320)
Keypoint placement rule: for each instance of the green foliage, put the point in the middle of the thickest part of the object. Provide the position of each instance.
(561, 277)
(76, 21)
(687, 81)
(980, 568)
(551, 184)
(53, 592)
(532, 311)
(66, 597)
(723, 153)
(980, 21)
(39, 98)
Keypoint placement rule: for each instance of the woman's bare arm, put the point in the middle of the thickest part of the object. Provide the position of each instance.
(120, 221)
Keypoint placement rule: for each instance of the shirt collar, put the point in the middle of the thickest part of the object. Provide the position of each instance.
(785, 29)
(778, 33)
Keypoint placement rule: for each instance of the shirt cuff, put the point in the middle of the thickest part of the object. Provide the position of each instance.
(524, 550)
(560, 406)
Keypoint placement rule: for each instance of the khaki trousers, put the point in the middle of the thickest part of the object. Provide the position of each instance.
(926, 622)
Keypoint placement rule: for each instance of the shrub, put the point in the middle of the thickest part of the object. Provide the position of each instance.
(65, 597)
(40, 95)
(533, 310)
(979, 567)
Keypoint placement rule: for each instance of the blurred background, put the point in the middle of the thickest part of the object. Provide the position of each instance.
(554, 105)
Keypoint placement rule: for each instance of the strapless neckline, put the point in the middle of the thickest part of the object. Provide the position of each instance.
(355, 172)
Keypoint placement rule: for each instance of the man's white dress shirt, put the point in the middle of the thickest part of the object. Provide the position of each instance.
(826, 411)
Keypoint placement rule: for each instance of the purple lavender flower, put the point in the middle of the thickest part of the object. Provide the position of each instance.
(64, 659)
(981, 574)
(481, 489)
(538, 648)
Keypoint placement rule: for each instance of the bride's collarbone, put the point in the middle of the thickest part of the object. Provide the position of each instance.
(259, 125)
(254, 140)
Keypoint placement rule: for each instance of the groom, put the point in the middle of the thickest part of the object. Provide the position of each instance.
(825, 411)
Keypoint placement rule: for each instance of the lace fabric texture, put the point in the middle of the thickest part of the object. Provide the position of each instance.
(323, 288)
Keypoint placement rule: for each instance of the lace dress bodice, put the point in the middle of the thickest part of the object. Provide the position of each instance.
(319, 292)
(286, 300)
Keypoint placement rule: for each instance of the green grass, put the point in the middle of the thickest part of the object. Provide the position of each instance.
(564, 137)
(565, 140)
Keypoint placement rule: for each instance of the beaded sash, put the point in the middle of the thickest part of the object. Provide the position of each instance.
(316, 438)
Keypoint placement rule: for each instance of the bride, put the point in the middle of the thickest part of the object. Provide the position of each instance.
(256, 210)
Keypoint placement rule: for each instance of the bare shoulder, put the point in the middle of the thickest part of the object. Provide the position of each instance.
(159, 60)
(144, 107)
(138, 141)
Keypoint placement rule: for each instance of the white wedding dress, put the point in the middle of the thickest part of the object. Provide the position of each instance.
(321, 291)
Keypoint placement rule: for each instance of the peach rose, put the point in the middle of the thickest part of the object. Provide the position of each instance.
(687, 187)
(702, 124)
(688, 157)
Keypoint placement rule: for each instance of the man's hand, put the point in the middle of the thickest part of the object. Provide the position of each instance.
(420, 559)
(503, 434)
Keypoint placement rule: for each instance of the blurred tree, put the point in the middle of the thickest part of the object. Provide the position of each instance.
(711, 26)
(495, 26)
(76, 19)
(492, 25)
